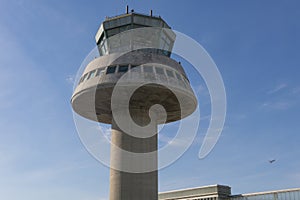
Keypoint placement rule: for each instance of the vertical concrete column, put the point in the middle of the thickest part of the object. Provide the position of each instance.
(133, 186)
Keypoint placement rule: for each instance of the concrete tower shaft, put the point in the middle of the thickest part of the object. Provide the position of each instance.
(127, 185)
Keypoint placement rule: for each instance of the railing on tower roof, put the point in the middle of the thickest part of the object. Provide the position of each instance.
(131, 13)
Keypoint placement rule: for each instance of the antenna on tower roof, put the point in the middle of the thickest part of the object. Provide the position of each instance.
(127, 9)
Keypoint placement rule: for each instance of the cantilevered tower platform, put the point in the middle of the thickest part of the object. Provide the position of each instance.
(134, 65)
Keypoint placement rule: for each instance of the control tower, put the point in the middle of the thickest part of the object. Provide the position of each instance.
(134, 63)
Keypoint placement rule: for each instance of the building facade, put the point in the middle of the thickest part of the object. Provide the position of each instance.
(222, 192)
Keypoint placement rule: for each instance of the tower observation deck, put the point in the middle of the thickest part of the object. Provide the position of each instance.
(134, 85)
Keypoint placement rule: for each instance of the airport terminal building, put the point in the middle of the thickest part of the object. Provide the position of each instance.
(222, 192)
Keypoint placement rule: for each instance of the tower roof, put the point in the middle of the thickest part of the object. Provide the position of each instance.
(116, 24)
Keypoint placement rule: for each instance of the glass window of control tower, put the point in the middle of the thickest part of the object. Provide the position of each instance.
(135, 68)
(148, 69)
(92, 74)
(165, 42)
(123, 68)
(103, 46)
(170, 73)
(100, 72)
(159, 70)
(111, 70)
(178, 76)
(84, 77)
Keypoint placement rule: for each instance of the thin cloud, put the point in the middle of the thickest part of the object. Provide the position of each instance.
(171, 141)
(288, 98)
(295, 91)
(279, 105)
(70, 79)
(236, 117)
(206, 117)
(277, 88)
(201, 90)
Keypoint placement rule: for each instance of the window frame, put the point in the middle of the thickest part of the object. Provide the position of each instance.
(92, 74)
(114, 67)
(170, 73)
(147, 67)
(160, 71)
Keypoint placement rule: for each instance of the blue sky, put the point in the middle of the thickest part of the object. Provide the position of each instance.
(255, 45)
